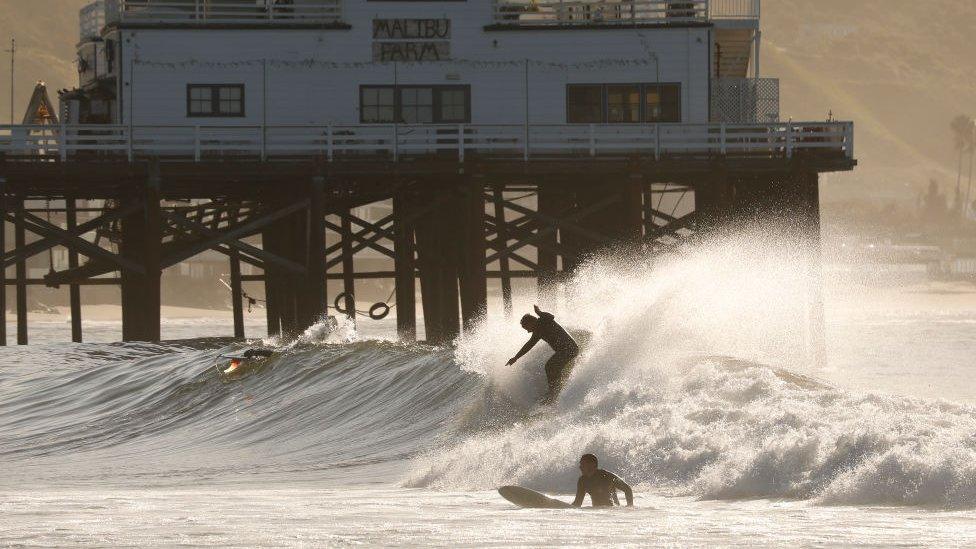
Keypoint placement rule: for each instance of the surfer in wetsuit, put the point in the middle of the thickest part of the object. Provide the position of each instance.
(545, 328)
(601, 485)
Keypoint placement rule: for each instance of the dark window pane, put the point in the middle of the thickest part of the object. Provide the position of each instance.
(215, 100)
(584, 104)
(623, 104)
(454, 106)
(662, 103)
(417, 105)
(377, 105)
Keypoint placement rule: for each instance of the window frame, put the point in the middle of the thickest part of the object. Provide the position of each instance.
(436, 90)
(215, 101)
(642, 88)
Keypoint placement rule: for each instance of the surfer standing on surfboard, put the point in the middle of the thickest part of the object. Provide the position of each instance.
(601, 485)
(545, 328)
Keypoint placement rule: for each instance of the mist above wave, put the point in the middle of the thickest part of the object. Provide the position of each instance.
(651, 396)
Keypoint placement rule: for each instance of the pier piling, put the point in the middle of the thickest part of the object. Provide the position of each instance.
(404, 265)
(20, 241)
(74, 290)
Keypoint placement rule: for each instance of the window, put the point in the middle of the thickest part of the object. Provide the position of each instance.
(585, 104)
(377, 105)
(662, 103)
(622, 104)
(215, 100)
(454, 105)
(415, 104)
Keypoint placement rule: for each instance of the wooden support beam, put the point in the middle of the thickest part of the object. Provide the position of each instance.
(237, 294)
(361, 239)
(74, 291)
(270, 236)
(502, 228)
(42, 245)
(549, 206)
(437, 259)
(141, 244)
(404, 269)
(3, 268)
(230, 238)
(313, 305)
(364, 241)
(20, 239)
(89, 282)
(42, 227)
(558, 224)
(632, 217)
(472, 279)
(348, 268)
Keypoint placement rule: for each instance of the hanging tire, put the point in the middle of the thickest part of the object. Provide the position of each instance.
(379, 311)
(339, 303)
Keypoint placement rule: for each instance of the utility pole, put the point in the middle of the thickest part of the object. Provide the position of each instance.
(13, 52)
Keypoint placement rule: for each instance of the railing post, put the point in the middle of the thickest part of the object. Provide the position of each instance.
(196, 143)
(723, 142)
(264, 142)
(461, 142)
(592, 140)
(789, 140)
(328, 143)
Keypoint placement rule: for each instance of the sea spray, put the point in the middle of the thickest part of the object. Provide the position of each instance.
(657, 397)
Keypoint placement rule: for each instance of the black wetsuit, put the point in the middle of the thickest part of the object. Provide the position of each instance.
(548, 330)
(600, 486)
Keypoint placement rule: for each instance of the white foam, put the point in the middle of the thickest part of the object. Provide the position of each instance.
(643, 399)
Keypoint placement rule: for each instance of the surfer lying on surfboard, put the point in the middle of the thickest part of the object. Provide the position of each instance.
(601, 485)
(545, 328)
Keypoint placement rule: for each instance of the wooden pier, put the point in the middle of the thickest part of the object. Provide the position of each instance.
(459, 218)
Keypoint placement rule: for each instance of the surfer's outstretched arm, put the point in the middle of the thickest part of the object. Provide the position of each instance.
(542, 314)
(580, 493)
(525, 348)
(619, 484)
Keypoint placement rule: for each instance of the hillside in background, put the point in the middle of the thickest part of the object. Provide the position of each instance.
(46, 33)
(901, 69)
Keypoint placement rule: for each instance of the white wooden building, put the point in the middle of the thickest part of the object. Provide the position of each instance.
(249, 63)
(277, 79)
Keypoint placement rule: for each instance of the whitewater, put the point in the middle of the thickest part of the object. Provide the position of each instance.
(696, 384)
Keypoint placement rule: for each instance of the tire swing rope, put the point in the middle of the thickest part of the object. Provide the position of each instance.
(378, 311)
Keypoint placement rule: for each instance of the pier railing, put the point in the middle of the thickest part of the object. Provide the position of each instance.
(224, 11)
(608, 12)
(396, 142)
(602, 12)
(734, 9)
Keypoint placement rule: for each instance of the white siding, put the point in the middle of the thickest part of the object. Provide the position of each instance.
(159, 63)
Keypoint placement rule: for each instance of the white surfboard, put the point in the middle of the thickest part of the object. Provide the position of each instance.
(523, 497)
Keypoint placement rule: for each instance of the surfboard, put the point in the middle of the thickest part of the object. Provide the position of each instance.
(523, 497)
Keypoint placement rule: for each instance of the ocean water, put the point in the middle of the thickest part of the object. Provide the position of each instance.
(696, 385)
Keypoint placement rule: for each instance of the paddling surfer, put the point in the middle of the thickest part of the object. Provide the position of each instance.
(545, 328)
(601, 485)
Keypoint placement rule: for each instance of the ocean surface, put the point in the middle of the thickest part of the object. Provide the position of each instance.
(696, 384)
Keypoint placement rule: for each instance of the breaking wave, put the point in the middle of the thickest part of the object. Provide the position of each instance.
(656, 395)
